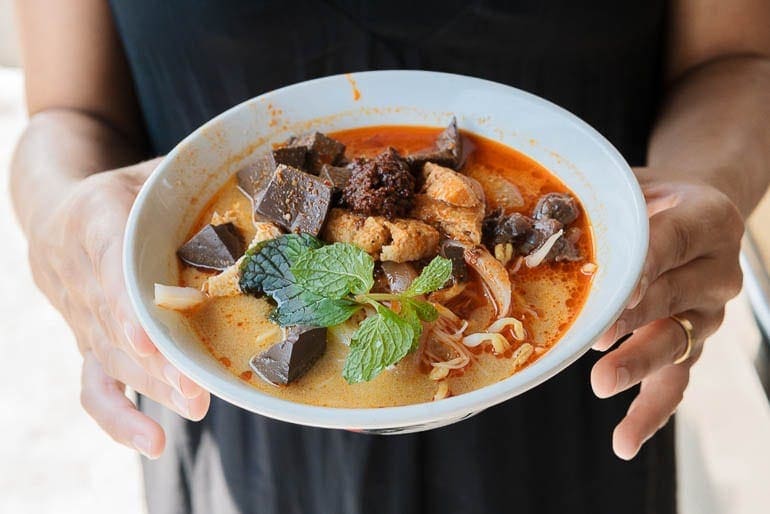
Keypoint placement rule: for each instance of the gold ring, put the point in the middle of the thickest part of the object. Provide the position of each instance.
(687, 327)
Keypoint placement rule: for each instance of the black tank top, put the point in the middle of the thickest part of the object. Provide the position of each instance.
(548, 451)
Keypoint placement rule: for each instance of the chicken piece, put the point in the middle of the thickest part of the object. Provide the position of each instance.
(410, 240)
(458, 223)
(368, 233)
(451, 187)
(226, 283)
(399, 240)
(451, 202)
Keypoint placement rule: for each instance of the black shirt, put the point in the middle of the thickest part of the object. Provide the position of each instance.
(547, 451)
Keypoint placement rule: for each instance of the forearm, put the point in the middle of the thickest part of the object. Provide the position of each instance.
(715, 126)
(58, 149)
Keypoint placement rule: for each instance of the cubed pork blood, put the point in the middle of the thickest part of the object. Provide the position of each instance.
(253, 178)
(321, 149)
(336, 176)
(295, 200)
(447, 150)
(214, 247)
(288, 360)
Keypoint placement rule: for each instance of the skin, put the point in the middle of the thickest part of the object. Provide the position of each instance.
(708, 165)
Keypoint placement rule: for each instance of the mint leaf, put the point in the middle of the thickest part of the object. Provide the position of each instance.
(424, 310)
(415, 312)
(334, 271)
(310, 309)
(381, 340)
(267, 268)
(409, 314)
(433, 277)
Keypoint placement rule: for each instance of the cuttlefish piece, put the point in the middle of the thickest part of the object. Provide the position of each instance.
(494, 275)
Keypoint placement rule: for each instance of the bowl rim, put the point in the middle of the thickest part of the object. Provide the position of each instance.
(373, 418)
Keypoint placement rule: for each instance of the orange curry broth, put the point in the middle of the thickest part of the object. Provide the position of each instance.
(547, 298)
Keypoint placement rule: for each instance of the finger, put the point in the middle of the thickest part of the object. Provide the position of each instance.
(658, 398)
(106, 256)
(109, 305)
(649, 349)
(688, 230)
(705, 284)
(103, 399)
(123, 319)
(124, 369)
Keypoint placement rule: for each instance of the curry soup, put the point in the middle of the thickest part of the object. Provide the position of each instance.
(546, 297)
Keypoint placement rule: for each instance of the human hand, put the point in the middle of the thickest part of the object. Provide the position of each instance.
(691, 270)
(76, 259)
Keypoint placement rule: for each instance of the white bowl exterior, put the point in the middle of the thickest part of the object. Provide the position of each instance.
(187, 178)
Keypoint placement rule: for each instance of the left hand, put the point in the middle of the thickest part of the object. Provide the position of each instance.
(691, 270)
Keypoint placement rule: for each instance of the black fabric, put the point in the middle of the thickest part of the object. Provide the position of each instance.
(548, 451)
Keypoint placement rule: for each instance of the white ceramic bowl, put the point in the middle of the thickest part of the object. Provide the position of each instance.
(187, 178)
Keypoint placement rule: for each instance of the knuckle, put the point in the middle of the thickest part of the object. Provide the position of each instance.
(111, 363)
(148, 386)
(681, 240)
(112, 424)
(676, 296)
(735, 283)
(728, 217)
(716, 321)
(96, 241)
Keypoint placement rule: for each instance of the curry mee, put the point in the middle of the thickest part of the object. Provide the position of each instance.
(384, 266)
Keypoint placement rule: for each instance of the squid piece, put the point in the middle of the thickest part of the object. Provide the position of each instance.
(494, 275)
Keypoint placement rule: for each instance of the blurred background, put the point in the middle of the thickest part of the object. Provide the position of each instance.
(53, 457)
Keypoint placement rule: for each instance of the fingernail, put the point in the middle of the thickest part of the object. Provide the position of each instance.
(180, 403)
(622, 377)
(171, 375)
(142, 445)
(620, 329)
(128, 330)
(638, 294)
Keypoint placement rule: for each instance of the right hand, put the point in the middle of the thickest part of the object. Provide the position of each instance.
(76, 257)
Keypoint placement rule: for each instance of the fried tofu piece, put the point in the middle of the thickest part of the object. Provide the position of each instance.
(399, 240)
(264, 232)
(459, 223)
(230, 216)
(448, 186)
(226, 283)
(410, 240)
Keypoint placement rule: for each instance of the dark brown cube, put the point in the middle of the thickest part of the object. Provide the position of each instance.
(214, 247)
(336, 176)
(321, 150)
(253, 178)
(288, 360)
(295, 200)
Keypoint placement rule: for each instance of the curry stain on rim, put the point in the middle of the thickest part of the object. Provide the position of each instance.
(356, 91)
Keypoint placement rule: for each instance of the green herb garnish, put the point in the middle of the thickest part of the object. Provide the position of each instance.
(267, 269)
(335, 270)
(321, 285)
(380, 341)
